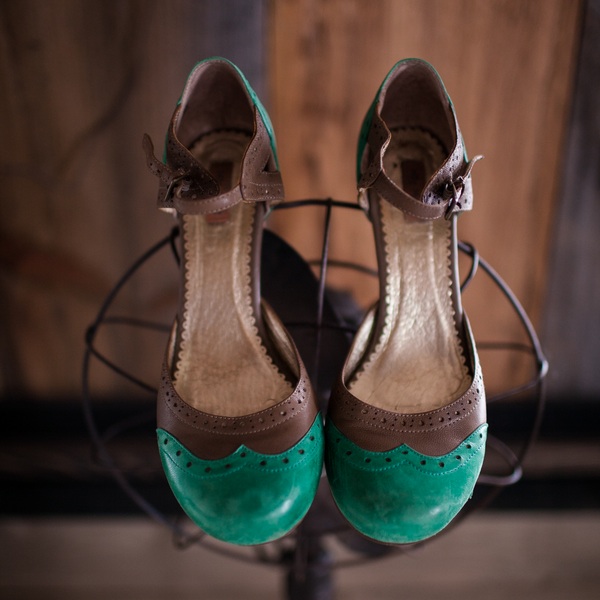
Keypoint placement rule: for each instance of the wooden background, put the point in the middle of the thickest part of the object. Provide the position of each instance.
(80, 82)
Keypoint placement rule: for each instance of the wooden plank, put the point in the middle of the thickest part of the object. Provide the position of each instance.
(80, 83)
(507, 65)
(571, 320)
(548, 556)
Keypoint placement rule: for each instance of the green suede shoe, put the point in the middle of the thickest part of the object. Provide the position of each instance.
(240, 436)
(247, 497)
(406, 423)
(402, 496)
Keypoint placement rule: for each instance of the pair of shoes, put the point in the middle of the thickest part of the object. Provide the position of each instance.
(240, 435)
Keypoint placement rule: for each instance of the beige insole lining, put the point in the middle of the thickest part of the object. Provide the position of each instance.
(222, 364)
(417, 364)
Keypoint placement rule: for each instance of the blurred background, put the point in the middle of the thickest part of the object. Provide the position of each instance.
(80, 82)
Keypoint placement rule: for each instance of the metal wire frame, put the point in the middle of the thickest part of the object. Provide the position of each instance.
(278, 553)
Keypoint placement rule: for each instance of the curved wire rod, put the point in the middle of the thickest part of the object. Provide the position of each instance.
(184, 538)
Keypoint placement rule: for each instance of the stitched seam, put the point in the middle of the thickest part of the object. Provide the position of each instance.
(207, 476)
(431, 429)
(402, 208)
(220, 431)
(308, 455)
(247, 431)
(405, 462)
(309, 449)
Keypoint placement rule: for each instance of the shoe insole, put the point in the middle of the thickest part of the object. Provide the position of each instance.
(222, 366)
(417, 362)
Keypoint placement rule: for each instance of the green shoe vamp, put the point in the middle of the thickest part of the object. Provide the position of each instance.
(246, 498)
(401, 496)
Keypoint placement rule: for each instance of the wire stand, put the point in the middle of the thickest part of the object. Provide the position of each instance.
(303, 553)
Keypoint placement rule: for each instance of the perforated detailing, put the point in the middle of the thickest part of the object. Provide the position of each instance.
(343, 449)
(419, 422)
(287, 409)
(244, 457)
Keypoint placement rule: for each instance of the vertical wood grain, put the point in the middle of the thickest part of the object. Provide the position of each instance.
(507, 65)
(80, 82)
(572, 316)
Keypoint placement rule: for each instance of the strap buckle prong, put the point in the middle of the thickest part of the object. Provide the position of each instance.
(175, 181)
(453, 190)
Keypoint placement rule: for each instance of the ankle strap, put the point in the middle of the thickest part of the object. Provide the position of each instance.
(448, 192)
(187, 188)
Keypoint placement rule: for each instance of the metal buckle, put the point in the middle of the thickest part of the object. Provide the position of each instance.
(453, 192)
(454, 189)
(175, 181)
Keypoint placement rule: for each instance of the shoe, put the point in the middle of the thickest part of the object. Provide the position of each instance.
(405, 430)
(239, 431)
